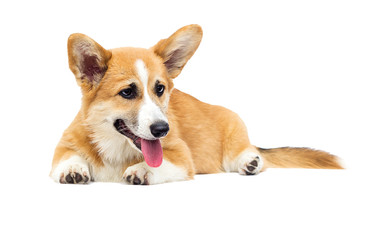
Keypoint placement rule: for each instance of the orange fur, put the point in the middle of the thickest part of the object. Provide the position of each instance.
(299, 158)
(202, 137)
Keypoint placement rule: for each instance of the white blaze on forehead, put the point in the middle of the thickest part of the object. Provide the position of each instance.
(142, 72)
(149, 112)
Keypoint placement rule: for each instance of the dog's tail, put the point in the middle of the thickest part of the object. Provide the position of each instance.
(288, 157)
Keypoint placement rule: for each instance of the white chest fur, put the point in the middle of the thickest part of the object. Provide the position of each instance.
(116, 152)
(107, 173)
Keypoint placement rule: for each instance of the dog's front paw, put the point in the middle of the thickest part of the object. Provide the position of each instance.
(75, 175)
(142, 174)
(251, 164)
(72, 171)
(138, 174)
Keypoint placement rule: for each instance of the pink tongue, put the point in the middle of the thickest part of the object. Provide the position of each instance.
(152, 152)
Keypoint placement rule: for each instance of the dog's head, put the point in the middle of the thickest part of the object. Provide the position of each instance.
(127, 90)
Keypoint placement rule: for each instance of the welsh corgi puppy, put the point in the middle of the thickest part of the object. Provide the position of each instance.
(135, 127)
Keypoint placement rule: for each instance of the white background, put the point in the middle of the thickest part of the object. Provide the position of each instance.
(299, 73)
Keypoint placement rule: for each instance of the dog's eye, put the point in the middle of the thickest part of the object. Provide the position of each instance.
(129, 93)
(159, 88)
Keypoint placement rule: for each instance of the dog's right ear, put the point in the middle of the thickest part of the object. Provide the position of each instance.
(87, 59)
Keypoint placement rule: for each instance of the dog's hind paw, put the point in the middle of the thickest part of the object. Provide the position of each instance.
(250, 164)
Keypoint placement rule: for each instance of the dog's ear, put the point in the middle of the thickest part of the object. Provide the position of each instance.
(87, 59)
(179, 48)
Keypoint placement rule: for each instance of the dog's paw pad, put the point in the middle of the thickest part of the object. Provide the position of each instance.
(137, 175)
(136, 180)
(72, 171)
(250, 166)
(73, 177)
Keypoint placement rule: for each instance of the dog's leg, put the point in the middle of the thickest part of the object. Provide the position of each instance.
(177, 166)
(239, 155)
(71, 170)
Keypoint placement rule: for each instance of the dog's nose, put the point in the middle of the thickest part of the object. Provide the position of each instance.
(159, 129)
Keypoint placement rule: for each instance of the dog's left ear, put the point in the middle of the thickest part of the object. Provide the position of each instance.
(179, 48)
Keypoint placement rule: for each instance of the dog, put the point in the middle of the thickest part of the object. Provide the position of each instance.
(135, 127)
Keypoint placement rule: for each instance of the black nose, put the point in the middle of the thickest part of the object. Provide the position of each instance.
(159, 129)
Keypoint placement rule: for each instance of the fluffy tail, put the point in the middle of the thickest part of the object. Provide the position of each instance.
(287, 157)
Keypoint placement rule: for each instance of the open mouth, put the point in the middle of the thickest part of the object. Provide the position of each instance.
(123, 129)
(151, 149)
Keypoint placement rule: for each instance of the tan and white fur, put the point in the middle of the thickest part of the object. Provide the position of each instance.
(134, 86)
